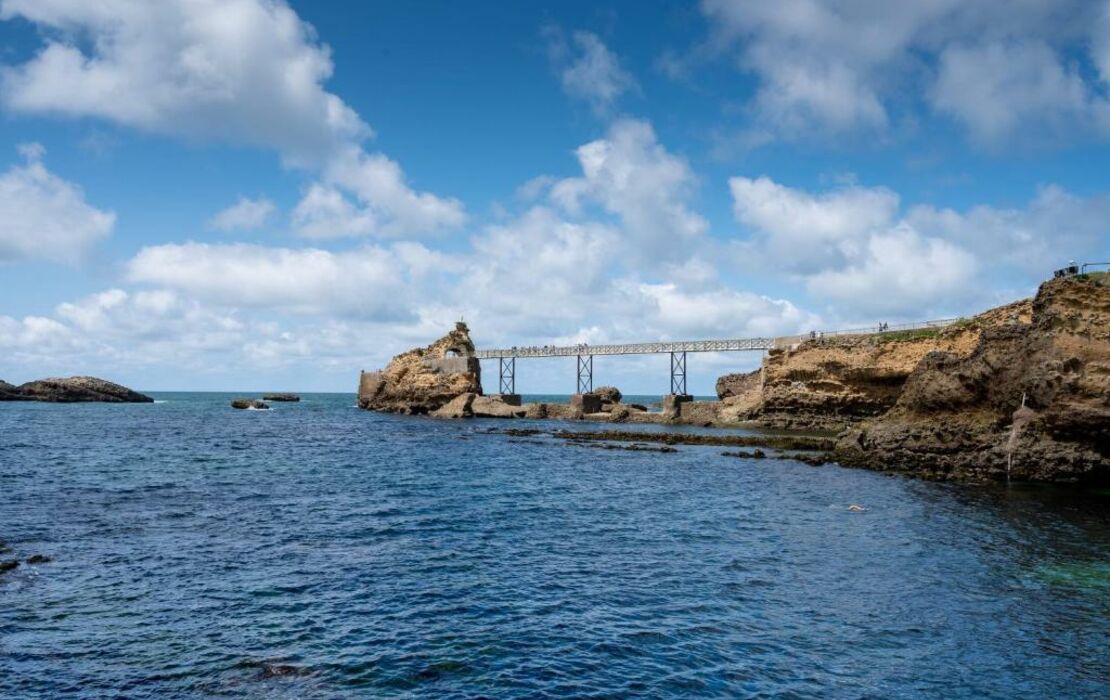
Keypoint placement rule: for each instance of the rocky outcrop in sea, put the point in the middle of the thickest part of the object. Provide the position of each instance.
(71, 390)
(424, 380)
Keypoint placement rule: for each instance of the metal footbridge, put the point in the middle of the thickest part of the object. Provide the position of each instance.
(507, 357)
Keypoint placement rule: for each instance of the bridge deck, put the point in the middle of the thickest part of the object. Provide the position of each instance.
(632, 348)
(732, 345)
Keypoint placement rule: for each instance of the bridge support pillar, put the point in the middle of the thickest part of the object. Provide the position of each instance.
(672, 405)
(678, 373)
(507, 374)
(585, 374)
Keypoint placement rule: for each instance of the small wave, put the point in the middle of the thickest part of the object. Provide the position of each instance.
(160, 401)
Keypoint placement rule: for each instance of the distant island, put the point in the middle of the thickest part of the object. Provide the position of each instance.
(1021, 391)
(71, 390)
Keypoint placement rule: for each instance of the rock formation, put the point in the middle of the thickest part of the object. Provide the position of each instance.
(1030, 400)
(733, 385)
(426, 379)
(833, 383)
(71, 390)
(281, 397)
(243, 404)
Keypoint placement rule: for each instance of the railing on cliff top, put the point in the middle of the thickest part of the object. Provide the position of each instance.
(682, 346)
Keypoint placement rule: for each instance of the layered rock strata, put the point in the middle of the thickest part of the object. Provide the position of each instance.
(1029, 401)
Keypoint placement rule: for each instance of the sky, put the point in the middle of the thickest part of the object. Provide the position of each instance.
(269, 195)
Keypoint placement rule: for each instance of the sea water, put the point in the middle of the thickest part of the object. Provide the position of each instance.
(317, 550)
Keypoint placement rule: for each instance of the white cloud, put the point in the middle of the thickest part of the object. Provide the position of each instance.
(1054, 227)
(841, 66)
(245, 215)
(997, 90)
(366, 283)
(588, 70)
(629, 174)
(803, 232)
(722, 313)
(242, 71)
(854, 249)
(899, 272)
(386, 206)
(43, 217)
(236, 71)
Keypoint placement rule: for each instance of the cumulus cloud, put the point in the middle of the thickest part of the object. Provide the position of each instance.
(840, 66)
(366, 283)
(855, 249)
(43, 217)
(245, 72)
(386, 205)
(997, 90)
(803, 232)
(631, 175)
(588, 70)
(245, 215)
(899, 272)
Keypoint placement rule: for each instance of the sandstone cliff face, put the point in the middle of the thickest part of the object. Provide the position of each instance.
(961, 415)
(832, 383)
(425, 379)
(71, 390)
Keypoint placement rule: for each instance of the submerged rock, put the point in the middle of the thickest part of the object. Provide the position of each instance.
(8, 565)
(39, 559)
(424, 380)
(249, 403)
(72, 390)
(281, 397)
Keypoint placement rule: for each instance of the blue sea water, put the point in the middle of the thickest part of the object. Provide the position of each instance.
(319, 551)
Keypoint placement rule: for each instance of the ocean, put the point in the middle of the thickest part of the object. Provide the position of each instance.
(320, 551)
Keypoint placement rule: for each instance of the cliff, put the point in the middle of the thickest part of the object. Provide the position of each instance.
(425, 379)
(1031, 400)
(71, 390)
(835, 382)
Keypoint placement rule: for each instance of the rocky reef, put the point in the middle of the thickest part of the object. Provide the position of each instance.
(424, 380)
(1029, 400)
(71, 390)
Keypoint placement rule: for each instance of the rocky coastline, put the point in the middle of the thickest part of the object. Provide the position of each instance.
(1019, 392)
(71, 390)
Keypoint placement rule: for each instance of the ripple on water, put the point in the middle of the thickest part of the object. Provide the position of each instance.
(325, 552)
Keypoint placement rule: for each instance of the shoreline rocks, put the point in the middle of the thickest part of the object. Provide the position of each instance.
(71, 390)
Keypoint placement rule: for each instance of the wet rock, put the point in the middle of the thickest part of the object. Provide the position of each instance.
(8, 565)
(39, 559)
(458, 407)
(250, 403)
(281, 397)
(72, 390)
(754, 454)
(424, 380)
(494, 407)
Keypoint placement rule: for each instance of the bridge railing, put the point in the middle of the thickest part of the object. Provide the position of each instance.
(726, 345)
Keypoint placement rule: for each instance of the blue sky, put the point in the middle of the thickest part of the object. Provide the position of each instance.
(255, 194)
